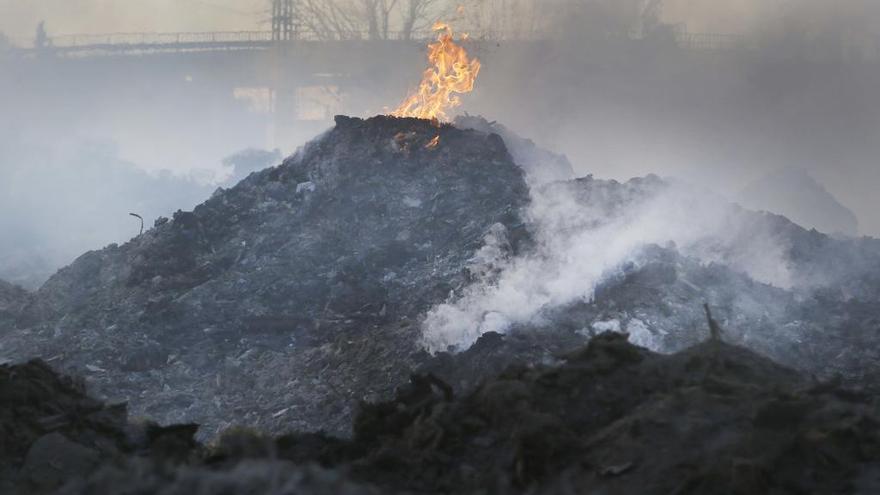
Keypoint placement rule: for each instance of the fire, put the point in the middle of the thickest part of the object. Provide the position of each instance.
(432, 144)
(452, 72)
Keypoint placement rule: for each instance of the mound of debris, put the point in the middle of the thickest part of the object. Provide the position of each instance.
(541, 166)
(53, 433)
(615, 418)
(801, 297)
(804, 298)
(608, 418)
(282, 302)
(13, 299)
(292, 295)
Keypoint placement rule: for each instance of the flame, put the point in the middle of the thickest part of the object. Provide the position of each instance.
(432, 144)
(452, 72)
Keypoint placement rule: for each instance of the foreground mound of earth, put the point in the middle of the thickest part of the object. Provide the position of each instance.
(608, 418)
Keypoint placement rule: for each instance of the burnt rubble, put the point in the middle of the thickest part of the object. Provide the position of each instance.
(53, 433)
(825, 324)
(609, 417)
(284, 301)
(13, 299)
(540, 166)
(294, 294)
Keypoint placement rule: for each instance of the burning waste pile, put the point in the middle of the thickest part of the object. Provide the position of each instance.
(460, 251)
(288, 298)
(12, 301)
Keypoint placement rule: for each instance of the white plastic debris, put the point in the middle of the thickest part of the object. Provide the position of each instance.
(305, 187)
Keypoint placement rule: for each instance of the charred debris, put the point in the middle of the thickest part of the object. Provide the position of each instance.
(292, 302)
(315, 271)
(607, 418)
(285, 300)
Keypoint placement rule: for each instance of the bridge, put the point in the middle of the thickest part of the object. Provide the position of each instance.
(278, 74)
(290, 84)
(86, 45)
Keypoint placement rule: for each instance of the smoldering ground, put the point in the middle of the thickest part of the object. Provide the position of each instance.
(800, 92)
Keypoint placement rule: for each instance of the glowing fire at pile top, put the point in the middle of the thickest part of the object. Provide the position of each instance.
(452, 72)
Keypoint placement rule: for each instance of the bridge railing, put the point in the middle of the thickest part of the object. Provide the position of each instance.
(86, 40)
(140, 39)
(245, 39)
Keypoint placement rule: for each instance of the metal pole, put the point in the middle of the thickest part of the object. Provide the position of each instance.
(141, 219)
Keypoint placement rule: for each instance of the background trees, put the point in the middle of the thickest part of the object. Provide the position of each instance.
(408, 19)
(370, 19)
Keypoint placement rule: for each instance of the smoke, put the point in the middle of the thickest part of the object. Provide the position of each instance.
(61, 200)
(800, 92)
(802, 95)
(102, 16)
(585, 232)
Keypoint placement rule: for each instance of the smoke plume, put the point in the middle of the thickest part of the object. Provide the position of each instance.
(586, 231)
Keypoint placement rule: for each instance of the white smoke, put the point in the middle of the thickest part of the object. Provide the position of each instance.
(584, 237)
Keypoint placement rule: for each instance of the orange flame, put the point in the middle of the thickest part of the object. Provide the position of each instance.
(452, 72)
(432, 144)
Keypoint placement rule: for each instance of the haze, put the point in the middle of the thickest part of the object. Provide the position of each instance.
(83, 138)
(18, 18)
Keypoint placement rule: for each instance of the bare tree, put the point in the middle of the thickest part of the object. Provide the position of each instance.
(417, 15)
(596, 20)
(650, 16)
(369, 11)
(504, 18)
(378, 16)
(373, 19)
(347, 19)
(385, 9)
(329, 19)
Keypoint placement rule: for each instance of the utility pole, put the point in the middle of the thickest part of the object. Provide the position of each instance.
(283, 20)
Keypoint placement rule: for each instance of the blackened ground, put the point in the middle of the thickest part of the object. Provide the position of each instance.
(282, 302)
(53, 433)
(13, 299)
(291, 296)
(608, 418)
(825, 323)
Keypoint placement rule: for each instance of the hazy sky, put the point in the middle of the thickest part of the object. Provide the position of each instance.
(18, 18)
